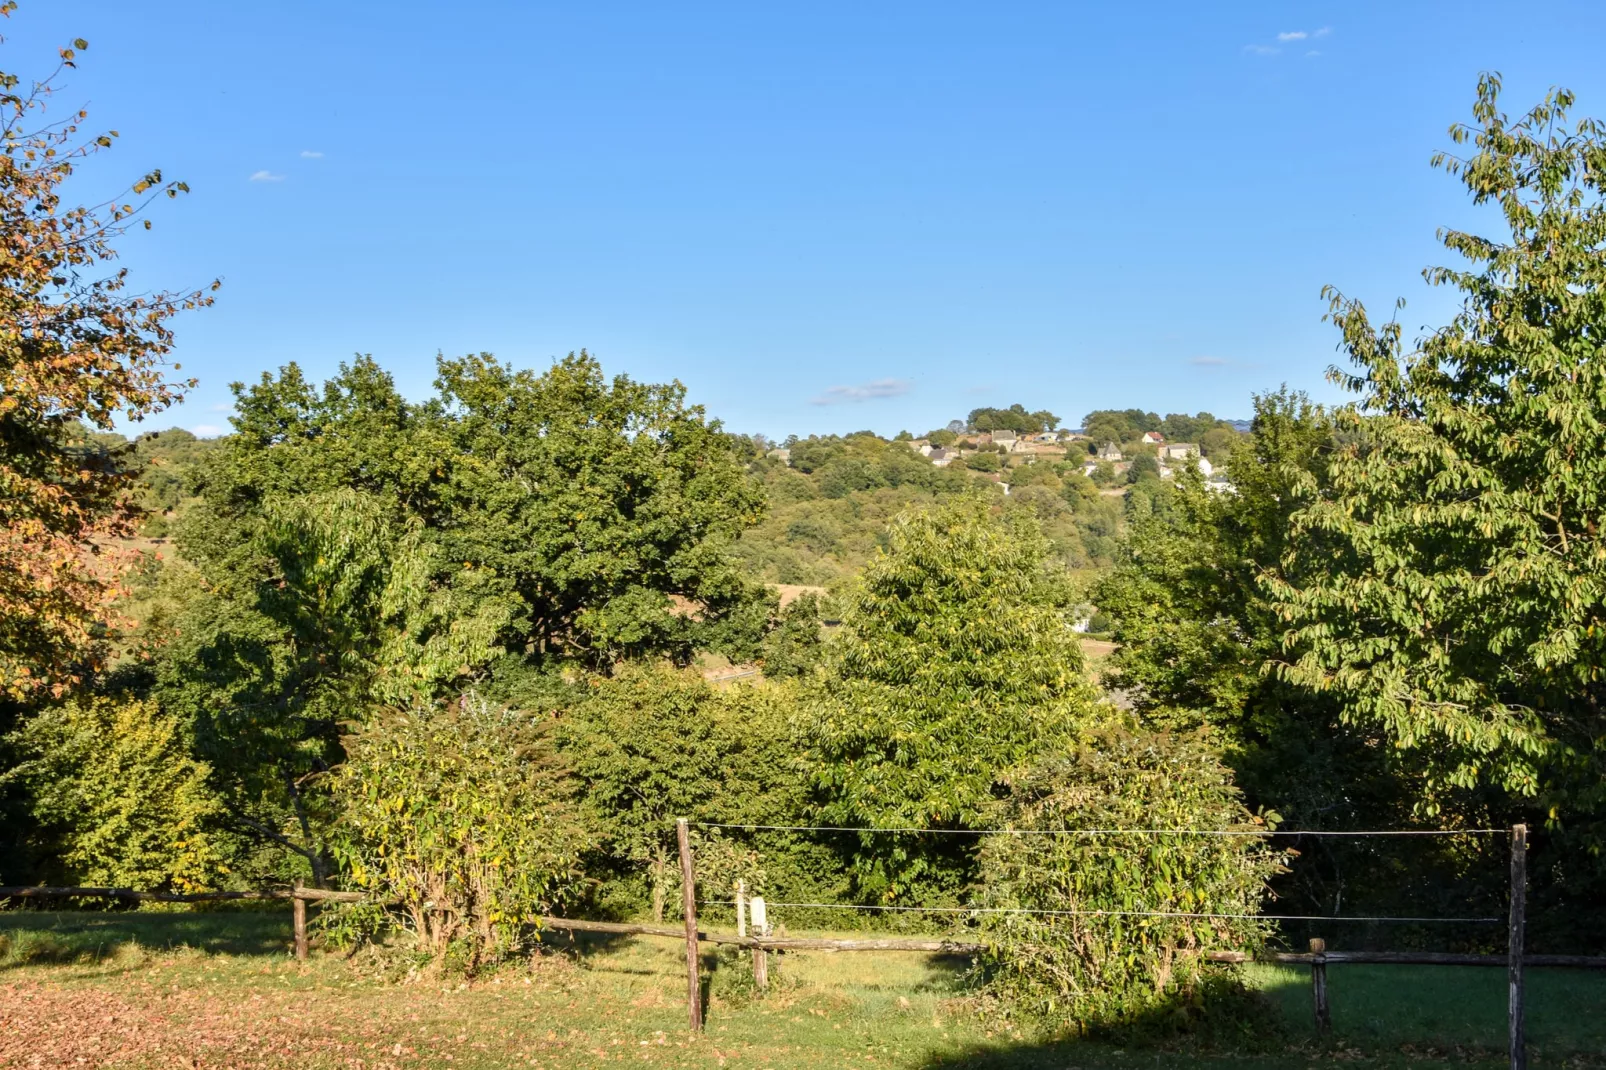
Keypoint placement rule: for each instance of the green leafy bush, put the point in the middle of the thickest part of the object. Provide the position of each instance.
(652, 744)
(1127, 969)
(982, 462)
(441, 813)
(117, 797)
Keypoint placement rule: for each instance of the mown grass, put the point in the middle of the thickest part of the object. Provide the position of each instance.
(152, 989)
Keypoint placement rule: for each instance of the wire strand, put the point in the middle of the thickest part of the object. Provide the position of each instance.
(1102, 832)
(1102, 913)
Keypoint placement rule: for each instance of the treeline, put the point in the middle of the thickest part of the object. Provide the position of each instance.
(831, 497)
(831, 502)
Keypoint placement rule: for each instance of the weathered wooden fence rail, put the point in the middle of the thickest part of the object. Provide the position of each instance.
(799, 943)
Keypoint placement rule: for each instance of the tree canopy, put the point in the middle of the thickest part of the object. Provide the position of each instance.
(1453, 588)
(957, 663)
(77, 347)
(1015, 418)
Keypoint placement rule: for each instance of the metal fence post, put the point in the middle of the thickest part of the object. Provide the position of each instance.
(1514, 949)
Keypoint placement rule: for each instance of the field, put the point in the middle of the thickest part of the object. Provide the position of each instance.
(158, 990)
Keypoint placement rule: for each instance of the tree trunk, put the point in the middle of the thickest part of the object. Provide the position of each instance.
(320, 869)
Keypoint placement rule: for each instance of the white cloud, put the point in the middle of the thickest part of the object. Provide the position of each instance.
(309, 154)
(1323, 32)
(1312, 52)
(266, 176)
(206, 431)
(1293, 35)
(875, 389)
(222, 406)
(1261, 50)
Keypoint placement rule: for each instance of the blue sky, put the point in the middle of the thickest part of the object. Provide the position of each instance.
(819, 217)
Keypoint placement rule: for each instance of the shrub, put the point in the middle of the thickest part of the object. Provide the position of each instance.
(441, 813)
(112, 783)
(653, 744)
(1122, 971)
(982, 462)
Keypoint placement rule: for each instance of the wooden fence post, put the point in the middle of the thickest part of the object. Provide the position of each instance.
(1318, 984)
(1514, 945)
(741, 908)
(688, 884)
(298, 917)
(761, 958)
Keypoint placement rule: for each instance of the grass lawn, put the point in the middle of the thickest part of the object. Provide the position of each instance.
(158, 989)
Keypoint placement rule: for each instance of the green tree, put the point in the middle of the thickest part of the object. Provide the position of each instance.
(985, 461)
(1118, 425)
(337, 612)
(795, 647)
(593, 504)
(956, 666)
(1462, 590)
(1217, 444)
(1143, 466)
(1015, 418)
(1196, 636)
(1186, 573)
(1104, 475)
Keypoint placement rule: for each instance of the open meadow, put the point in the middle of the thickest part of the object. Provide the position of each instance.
(179, 989)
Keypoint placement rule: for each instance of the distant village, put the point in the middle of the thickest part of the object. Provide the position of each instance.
(994, 453)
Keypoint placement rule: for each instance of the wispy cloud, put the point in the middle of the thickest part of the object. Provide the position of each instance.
(266, 176)
(309, 154)
(1312, 52)
(222, 406)
(980, 388)
(1209, 362)
(206, 431)
(873, 390)
(1287, 37)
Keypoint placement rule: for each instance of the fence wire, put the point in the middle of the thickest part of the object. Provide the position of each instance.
(1102, 913)
(1101, 832)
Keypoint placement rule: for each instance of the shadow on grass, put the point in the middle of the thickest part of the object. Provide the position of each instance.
(1446, 1008)
(37, 937)
(1390, 1015)
(579, 943)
